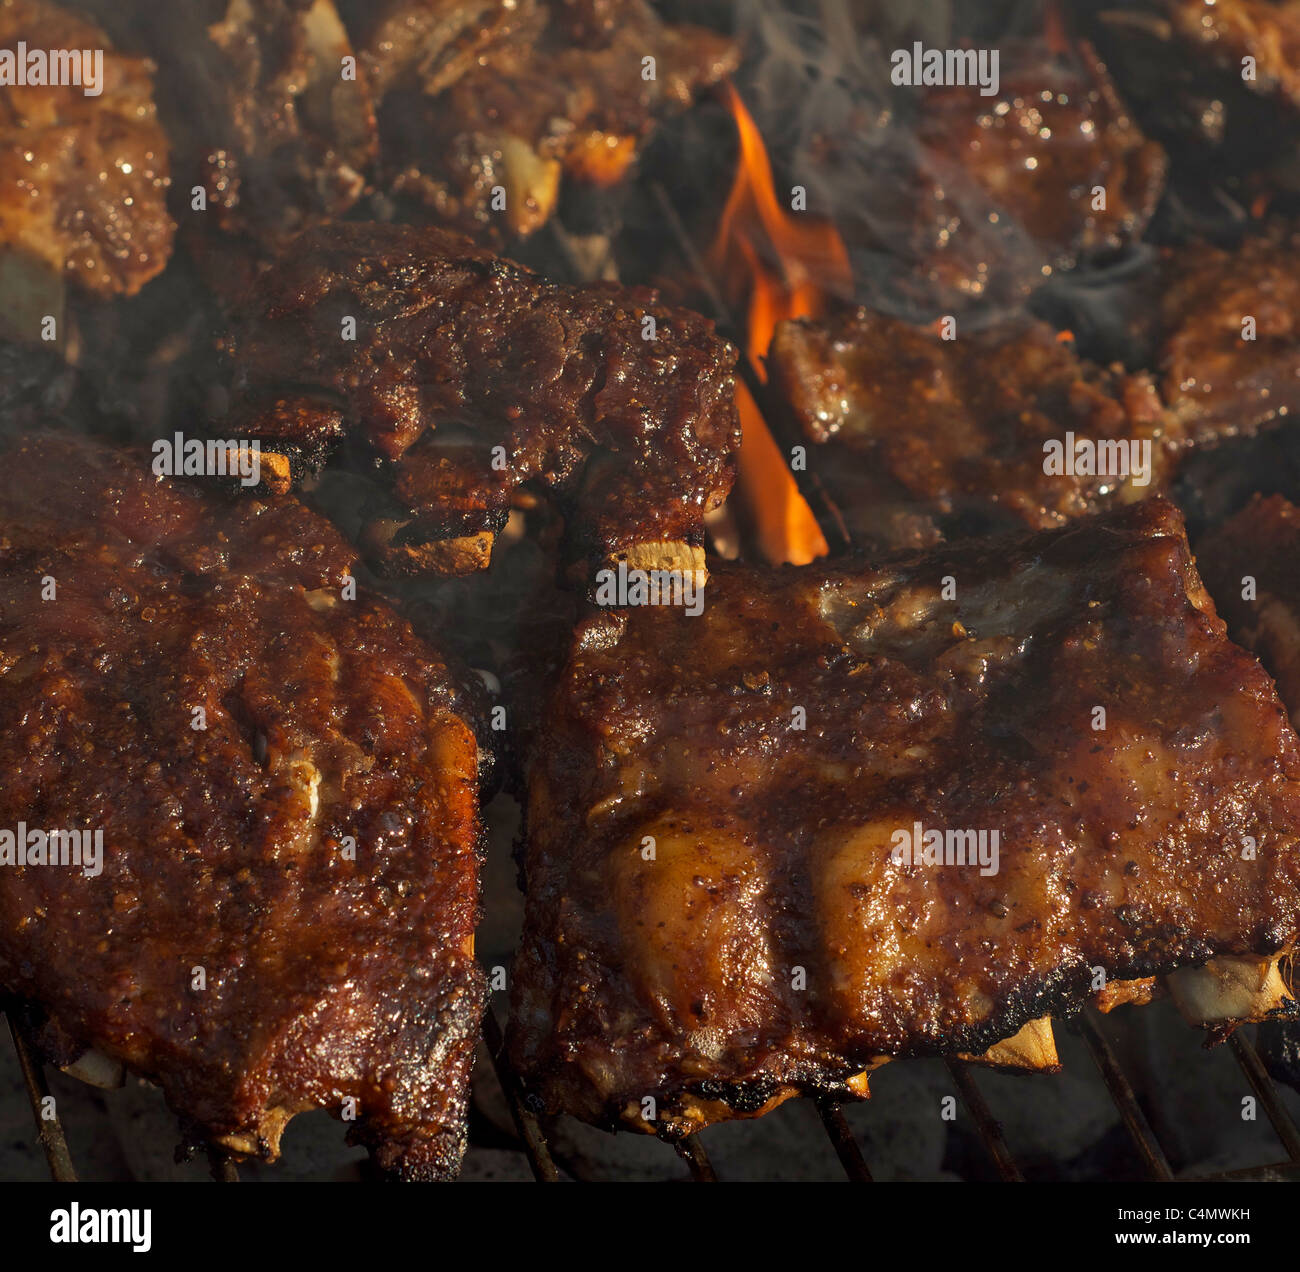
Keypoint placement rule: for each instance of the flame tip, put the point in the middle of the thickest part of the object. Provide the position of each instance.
(809, 256)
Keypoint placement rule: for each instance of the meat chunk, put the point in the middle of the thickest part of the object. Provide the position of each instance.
(1055, 133)
(1227, 334)
(517, 97)
(1226, 32)
(282, 909)
(469, 376)
(721, 904)
(270, 115)
(83, 176)
(980, 199)
(291, 135)
(917, 436)
(1182, 65)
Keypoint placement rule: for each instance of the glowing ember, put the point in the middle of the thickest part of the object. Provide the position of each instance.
(809, 255)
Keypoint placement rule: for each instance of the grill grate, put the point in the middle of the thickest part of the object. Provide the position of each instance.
(535, 1145)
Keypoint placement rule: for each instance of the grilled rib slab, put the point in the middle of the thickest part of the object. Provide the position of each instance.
(918, 436)
(470, 376)
(235, 948)
(714, 915)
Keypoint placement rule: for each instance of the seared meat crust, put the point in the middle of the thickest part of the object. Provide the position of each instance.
(289, 138)
(328, 974)
(469, 376)
(714, 912)
(517, 96)
(262, 117)
(976, 199)
(1039, 149)
(1256, 552)
(83, 180)
(916, 436)
(1220, 377)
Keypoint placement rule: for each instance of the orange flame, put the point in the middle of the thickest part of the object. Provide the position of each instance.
(810, 254)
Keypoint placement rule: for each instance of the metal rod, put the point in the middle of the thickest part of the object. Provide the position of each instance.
(526, 1123)
(844, 1142)
(990, 1129)
(704, 276)
(1275, 1172)
(48, 1130)
(691, 1151)
(1266, 1092)
(1121, 1092)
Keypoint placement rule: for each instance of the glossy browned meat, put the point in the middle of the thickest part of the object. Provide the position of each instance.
(293, 137)
(518, 97)
(714, 913)
(470, 376)
(978, 200)
(261, 117)
(1252, 569)
(1229, 124)
(285, 910)
(1219, 375)
(915, 436)
(83, 179)
(430, 44)
(1055, 131)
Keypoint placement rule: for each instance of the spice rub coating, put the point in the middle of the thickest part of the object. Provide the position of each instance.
(916, 436)
(715, 917)
(83, 178)
(470, 376)
(287, 785)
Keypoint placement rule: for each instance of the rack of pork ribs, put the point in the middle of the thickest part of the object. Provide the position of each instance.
(986, 400)
(287, 781)
(461, 378)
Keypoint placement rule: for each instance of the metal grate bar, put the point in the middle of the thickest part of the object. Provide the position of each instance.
(691, 1151)
(990, 1129)
(1274, 1173)
(842, 1138)
(1144, 1140)
(1266, 1092)
(526, 1123)
(48, 1131)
